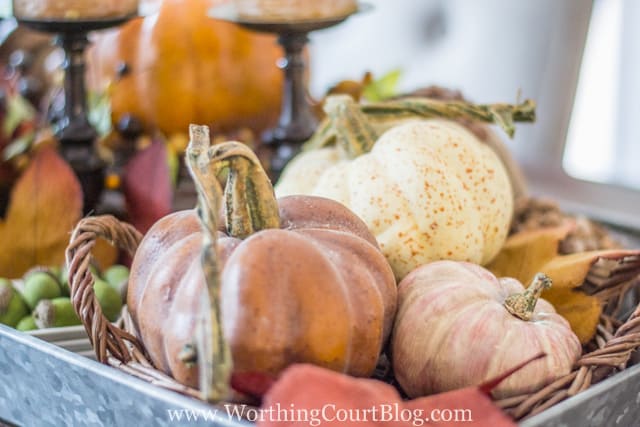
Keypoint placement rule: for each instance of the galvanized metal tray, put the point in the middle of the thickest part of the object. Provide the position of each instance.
(42, 384)
(613, 402)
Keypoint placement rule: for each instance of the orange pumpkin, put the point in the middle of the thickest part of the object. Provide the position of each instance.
(302, 280)
(185, 67)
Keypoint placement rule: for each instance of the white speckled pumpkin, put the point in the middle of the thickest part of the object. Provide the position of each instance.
(427, 189)
(458, 325)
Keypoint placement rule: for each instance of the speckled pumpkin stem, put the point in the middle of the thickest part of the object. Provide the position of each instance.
(522, 305)
(250, 202)
(214, 355)
(342, 110)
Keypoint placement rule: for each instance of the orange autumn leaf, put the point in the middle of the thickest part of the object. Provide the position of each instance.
(577, 278)
(45, 204)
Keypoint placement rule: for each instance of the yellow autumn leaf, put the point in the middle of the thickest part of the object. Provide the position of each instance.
(569, 271)
(525, 253)
(581, 310)
(45, 204)
(529, 252)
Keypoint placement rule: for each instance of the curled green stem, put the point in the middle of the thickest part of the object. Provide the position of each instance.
(354, 125)
(250, 203)
(523, 305)
(353, 130)
(324, 136)
(503, 115)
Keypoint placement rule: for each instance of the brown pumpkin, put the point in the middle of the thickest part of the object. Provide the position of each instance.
(302, 280)
(183, 66)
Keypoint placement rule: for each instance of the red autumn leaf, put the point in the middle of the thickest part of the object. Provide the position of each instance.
(307, 395)
(147, 186)
(45, 204)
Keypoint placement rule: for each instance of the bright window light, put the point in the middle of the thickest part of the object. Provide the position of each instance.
(590, 150)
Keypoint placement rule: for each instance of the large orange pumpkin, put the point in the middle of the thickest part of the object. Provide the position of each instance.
(183, 67)
(302, 280)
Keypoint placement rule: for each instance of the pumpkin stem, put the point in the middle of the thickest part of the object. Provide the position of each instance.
(503, 115)
(214, 354)
(352, 128)
(357, 126)
(250, 202)
(325, 135)
(522, 305)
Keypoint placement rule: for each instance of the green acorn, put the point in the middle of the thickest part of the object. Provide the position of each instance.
(55, 313)
(109, 299)
(40, 285)
(12, 307)
(27, 323)
(56, 271)
(117, 276)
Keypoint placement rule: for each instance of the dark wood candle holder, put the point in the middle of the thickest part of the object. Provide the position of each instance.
(297, 121)
(74, 131)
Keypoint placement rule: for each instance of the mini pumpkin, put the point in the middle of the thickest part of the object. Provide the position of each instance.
(427, 189)
(301, 278)
(458, 325)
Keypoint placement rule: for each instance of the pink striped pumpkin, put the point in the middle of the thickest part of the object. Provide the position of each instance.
(452, 331)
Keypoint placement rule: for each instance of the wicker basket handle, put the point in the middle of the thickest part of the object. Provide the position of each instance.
(106, 338)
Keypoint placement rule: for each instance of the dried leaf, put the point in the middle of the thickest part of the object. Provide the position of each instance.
(577, 278)
(578, 281)
(581, 310)
(308, 389)
(46, 203)
(588, 235)
(147, 186)
(570, 271)
(525, 253)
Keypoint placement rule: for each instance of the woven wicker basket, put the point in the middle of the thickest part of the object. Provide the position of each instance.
(117, 345)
